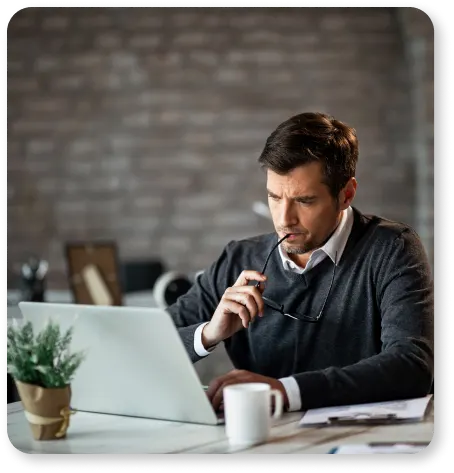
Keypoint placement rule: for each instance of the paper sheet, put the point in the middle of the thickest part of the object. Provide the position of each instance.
(408, 409)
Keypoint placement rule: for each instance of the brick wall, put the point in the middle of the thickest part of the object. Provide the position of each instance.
(418, 36)
(144, 124)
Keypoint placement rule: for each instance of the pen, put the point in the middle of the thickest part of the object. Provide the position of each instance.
(380, 447)
(367, 419)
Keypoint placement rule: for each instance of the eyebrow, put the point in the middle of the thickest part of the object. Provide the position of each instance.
(301, 198)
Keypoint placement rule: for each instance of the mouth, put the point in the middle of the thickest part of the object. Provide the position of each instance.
(292, 236)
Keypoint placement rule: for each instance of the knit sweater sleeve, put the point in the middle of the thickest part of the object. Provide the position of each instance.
(404, 367)
(200, 302)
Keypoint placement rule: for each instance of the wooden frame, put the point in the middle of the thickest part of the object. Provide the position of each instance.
(95, 260)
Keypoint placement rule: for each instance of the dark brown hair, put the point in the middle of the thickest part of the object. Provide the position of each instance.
(310, 137)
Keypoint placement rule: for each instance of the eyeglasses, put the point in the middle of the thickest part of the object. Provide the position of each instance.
(280, 308)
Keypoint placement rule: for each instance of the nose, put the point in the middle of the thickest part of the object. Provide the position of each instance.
(287, 216)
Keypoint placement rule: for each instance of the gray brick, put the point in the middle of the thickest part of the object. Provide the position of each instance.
(53, 23)
(15, 66)
(71, 207)
(144, 41)
(93, 20)
(69, 82)
(174, 117)
(22, 84)
(161, 97)
(40, 146)
(234, 220)
(245, 21)
(108, 41)
(149, 202)
(48, 185)
(231, 76)
(201, 202)
(147, 21)
(142, 227)
(103, 184)
(197, 138)
(46, 64)
(185, 19)
(40, 167)
(81, 147)
(115, 164)
(173, 244)
(204, 58)
(137, 120)
(81, 61)
(46, 106)
(186, 223)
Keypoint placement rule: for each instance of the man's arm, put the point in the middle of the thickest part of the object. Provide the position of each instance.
(404, 368)
(199, 304)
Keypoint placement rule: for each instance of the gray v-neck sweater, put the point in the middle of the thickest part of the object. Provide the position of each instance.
(374, 341)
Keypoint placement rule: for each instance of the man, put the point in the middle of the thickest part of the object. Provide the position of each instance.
(343, 312)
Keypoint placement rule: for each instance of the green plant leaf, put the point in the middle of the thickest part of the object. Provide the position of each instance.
(44, 360)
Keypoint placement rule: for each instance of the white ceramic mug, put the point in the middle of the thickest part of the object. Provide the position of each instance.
(247, 412)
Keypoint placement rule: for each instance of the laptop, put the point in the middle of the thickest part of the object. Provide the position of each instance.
(135, 364)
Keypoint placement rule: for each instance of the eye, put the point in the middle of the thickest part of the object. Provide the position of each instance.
(273, 197)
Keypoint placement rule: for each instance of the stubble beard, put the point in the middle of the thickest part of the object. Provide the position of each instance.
(300, 249)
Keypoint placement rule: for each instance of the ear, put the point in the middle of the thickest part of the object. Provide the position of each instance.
(347, 194)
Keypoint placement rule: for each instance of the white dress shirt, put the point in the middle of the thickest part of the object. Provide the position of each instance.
(335, 244)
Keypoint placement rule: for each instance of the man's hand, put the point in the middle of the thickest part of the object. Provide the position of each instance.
(215, 388)
(239, 306)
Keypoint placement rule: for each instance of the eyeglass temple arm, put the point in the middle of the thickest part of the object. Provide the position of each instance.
(271, 252)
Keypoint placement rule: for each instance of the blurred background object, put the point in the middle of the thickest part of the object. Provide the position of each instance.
(169, 287)
(33, 279)
(140, 275)
(94, 272)
(143, 125)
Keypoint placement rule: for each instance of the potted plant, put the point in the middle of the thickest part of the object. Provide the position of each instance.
(42, 368)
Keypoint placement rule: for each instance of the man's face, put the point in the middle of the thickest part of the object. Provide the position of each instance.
(301, 204)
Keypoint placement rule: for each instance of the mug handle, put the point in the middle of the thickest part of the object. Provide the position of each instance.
(278, 403)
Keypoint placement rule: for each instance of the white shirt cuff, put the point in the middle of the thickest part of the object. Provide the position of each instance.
(293, 393)
(198, 345)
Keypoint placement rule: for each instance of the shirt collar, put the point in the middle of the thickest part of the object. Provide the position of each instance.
(336, 243)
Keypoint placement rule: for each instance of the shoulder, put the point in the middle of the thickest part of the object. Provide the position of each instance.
(386, 233)
(392, 246)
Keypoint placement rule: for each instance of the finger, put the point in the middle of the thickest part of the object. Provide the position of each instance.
(219, 395)
(233, 377)
(249, 275)
(237, 309)
(215, 383)
(214, 386)
(255, 293)
(245, 316)
(245, 298)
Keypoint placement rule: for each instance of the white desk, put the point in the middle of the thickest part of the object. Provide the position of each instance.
(99, 433)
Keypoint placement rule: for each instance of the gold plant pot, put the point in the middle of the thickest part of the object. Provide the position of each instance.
(46, 409)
